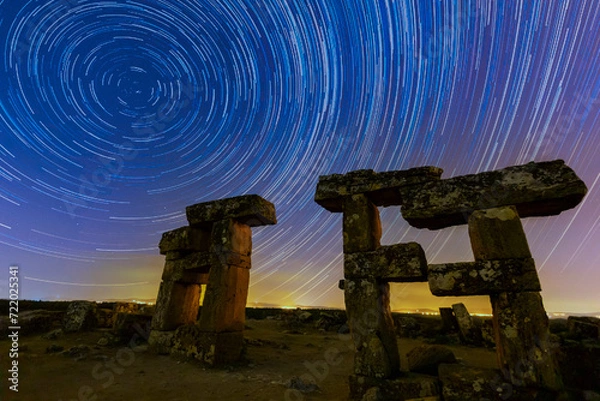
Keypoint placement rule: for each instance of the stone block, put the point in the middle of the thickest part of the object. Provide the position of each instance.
(248, 209)
(128, 325)
(208, 347)
(449, 323)
(393, 263)
(405, 388)
(498, 234)
(580, 365)
(231, 244)
(460, 383)
(372, 328)
(176, 304)
(361, 224)
(536, 189)
(525, 351)
(425, 359)
(160, 342)
(381, 188)
(483, 277)
(184, 240)
(584, 327)
(468, 330)
(192, 269)
(224, 306)
(80, 316)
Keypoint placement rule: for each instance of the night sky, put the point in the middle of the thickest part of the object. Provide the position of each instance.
(116, 115)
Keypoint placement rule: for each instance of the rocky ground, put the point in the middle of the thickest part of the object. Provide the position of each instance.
(290, 355)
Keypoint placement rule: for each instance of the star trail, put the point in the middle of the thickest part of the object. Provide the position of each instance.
(116, 115)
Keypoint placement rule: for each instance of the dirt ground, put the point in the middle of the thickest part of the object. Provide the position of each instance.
(274, 357)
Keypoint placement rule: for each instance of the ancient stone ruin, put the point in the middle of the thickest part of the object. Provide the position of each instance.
(215, 251)
(492, 204)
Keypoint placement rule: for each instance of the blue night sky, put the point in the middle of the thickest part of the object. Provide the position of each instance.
(116, 115)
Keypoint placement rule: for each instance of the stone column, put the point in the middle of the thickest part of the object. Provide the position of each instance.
(186, 269)
(520, 322)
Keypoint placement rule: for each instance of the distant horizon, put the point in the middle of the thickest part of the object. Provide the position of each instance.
(553, 314)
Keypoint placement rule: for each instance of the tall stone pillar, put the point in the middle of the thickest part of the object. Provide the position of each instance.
(524, 350)
(214, 250)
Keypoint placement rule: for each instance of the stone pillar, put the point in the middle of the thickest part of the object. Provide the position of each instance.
(520, 322)
(186, 269)
(214, 250)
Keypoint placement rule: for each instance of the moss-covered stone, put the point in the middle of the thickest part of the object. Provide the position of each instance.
(184, 240)
(393, 263)
(483, 277)
(536, 189)
(248, 209)
(381, 188)
(361, 224)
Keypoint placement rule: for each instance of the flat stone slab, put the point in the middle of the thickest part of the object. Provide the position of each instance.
(483, 277)
(460, 383)
(252, 210)
(184, 239)
(393, 263)
(409, 387)
(536, 189)
(381, 188)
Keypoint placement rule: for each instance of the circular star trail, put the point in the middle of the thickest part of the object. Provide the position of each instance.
(115, 115)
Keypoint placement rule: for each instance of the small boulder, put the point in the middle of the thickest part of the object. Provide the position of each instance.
(80, 316)
(426, 358)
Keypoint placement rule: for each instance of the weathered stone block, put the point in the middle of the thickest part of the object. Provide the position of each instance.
(372, 328)
(208, 347)
(584, 327)
(498, 234)
(184, 239)
(192, 269)
(176, 304)
(580, 365)
(449, 323)
(160, 342)
(224, 306)
(469, 331)
(128, 325)
(248, 209)
(409, 387)
(536, 189)
(460, 383)
(400, 263)
(381, 188)
(80, 316)
(361, 224)
(231, 244)
(483, 277)
(426, 358)
(525, 351)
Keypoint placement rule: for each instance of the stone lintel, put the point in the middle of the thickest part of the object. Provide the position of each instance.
(392, 263)
(381, 188)
(408, 387)
(183, 240)
(252, 210)
(483, 277)
(536, 189)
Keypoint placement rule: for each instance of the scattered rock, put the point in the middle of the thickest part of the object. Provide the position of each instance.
(373, 394)
(53, 335)
(407, 327)
(77, 352)
(128, 325)
(33, 322)
(305, 387)
(53, 349)
(426, 358)
(460, 383)
(80, 316)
